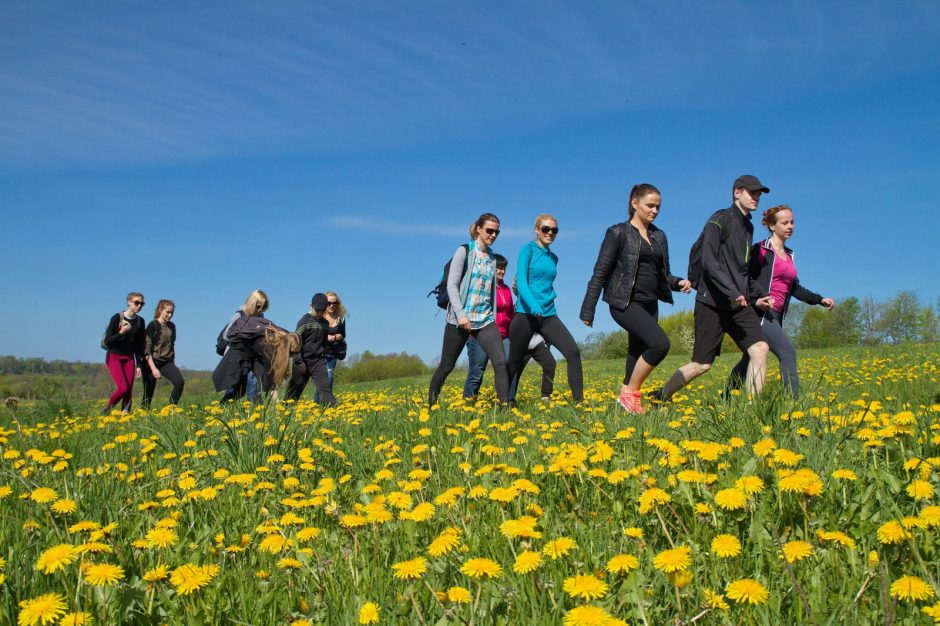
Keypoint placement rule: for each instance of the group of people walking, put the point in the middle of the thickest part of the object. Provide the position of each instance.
(257, 355)
(742, 289)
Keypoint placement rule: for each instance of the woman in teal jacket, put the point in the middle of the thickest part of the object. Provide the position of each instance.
(535, 309)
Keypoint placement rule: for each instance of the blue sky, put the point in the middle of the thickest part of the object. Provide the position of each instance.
(197, 151)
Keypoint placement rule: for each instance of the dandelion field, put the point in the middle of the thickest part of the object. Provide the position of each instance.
(820, 510)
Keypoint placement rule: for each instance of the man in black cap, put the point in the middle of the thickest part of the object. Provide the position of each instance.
(724, 293)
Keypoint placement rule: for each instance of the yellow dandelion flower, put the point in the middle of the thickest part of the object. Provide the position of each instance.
(104, 574)
(892, 532)
(41, 610)
(64, 506)
(731, 499)
(622, 564)
(158, 573)
(56, 558)
(633, 532)
(503, 494)
(161, 538)
(274, 544)
(715, 600)
(558, 548)
(480, 567)
(444, 543)
(873, 559)
(307, 534)
(836, 536)
(911, 588)
(933, 611)
(726, 546)
(521, 527)
(750, 484)
(43, 495)
(920, 490)
(651, 497)
(80, 618)
(931, 515)
(587, 616)
(674, 560)
(423, 512)
(747, 591)
(527, 561)
(369, 613)
(680, 579)
(190, 578)
(410, 570)
(458, 595)
(794, 551)
(844, 474)
(585, 586)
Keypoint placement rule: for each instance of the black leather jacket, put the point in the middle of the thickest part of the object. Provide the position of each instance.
(615, 269)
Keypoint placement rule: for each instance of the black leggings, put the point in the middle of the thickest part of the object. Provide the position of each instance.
(455, 338)
(647, 339)
(304, 371)
(167, 370)
(522, 328)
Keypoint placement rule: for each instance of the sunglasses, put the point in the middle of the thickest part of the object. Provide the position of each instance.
(491, 231)
(549, 229)
(330, 303)
(138, 302)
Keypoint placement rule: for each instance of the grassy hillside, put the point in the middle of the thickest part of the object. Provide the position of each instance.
(821, 510)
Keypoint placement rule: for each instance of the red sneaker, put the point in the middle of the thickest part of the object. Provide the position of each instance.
(629, 401)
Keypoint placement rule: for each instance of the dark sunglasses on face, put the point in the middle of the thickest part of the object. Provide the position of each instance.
(329, 303)
(138, 302)
(549, 229)
(491, 231)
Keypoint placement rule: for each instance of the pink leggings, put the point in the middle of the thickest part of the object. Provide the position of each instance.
(122, 370)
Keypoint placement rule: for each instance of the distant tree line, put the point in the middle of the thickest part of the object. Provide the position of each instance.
(852, 322)
(28, 378)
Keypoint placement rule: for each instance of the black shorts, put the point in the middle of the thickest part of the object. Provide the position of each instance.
(712, 323)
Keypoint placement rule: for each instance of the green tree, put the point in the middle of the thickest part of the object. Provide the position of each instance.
(820, 328)
(900, 320)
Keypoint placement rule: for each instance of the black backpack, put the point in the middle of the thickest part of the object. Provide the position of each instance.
(221, 342)
(440, 291)
(695, 254)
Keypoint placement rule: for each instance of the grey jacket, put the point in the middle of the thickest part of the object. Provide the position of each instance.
(457, 279)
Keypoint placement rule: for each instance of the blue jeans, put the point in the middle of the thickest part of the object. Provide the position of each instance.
(330, 368)
(252, 387)
(477, 361)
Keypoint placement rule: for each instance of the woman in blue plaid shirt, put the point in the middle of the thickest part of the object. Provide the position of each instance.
(471, 311)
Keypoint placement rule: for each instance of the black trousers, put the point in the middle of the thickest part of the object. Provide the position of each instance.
(304, 371)
(542, 355)
(170, 372)
(556, 333)
(455, 338)
(646, 337)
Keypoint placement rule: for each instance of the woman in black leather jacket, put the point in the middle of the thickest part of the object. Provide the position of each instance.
(632, 270)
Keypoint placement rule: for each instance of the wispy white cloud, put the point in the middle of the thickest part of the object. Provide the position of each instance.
(131, 84)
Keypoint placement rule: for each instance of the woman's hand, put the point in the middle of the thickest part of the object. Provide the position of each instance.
(587, 323)
(156, 373)
(124, 327)
(137, 372)
(464, 323)
(765, 304)
(828, 303)
(685, 285)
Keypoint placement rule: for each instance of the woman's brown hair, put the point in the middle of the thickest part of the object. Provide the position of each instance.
(769, 217)
(282, 344)
(161, 305)
(477, 225)
(640, 191)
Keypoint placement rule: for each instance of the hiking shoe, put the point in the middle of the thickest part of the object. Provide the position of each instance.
(630, 402)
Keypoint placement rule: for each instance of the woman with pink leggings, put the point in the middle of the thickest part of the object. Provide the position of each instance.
(125, 341)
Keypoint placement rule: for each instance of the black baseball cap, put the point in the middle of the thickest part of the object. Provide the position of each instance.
(319, 302)
(751, 183)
